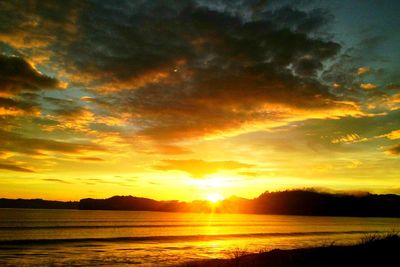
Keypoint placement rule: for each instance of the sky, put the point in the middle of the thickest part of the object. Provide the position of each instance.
(191, 99)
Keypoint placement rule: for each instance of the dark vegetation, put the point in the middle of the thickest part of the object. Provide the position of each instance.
(371, 251)
(293, 202)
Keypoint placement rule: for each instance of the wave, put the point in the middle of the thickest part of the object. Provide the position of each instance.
(177, 238)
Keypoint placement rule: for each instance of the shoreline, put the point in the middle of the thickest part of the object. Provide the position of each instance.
(371, 250)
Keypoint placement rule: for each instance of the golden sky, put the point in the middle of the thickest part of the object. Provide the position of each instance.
(190, 99)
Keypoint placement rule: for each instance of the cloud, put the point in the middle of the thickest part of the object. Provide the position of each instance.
(17, 107)
(157, 77)
(348, 139)
(192, 69)
(38, 24)
(314, 21)
(14, 167)
(393, 135)
(17, 75)
(393, 86)
(363, 70)
(56, 180)
(19, 81)
(201, 168)
(382, 101)
(368, 86)
(395, 150)
(220, 102)
(90, 159)
(15, 142)
(204, 72)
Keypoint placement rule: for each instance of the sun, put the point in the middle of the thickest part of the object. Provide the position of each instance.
(214, 198)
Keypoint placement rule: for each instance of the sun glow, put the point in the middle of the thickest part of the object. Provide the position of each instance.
(208, 183)
(214, 198)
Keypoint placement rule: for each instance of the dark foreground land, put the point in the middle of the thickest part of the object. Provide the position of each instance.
(371, 251)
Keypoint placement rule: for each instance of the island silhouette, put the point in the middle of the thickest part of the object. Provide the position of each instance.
(289, 202)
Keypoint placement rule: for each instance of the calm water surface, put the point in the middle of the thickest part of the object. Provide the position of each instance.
(81, 238)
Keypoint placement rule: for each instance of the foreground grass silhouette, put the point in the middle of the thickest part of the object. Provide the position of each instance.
(372, 250)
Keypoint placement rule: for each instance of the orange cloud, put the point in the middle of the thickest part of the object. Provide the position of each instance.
(348, 139)
(363, 70)
(14, 106)
(368, 86)
(153, 76)
(393, 135)
(77, 120)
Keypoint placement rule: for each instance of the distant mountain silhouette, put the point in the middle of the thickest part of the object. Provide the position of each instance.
(37, 204)
(291, 202)
(301, 202)
(143, 204)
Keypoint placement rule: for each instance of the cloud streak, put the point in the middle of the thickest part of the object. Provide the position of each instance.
(15, 167)
(201, 168)
(13, 142)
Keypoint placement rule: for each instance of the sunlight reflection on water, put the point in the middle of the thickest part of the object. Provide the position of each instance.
(73, 237)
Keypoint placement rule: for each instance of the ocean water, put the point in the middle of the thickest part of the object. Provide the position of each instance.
(30, 237)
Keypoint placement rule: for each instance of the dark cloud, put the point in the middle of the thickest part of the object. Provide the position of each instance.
(394, 150)
(127, 41)
(38, 23)
(18, 75)
(342, 71)
(189, 70)
(298, 20)
(138, 39)
(393, 86)
(218, 100)
(10, 106)
(251, 8)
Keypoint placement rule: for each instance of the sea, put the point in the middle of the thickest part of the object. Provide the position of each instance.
(45, 237)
